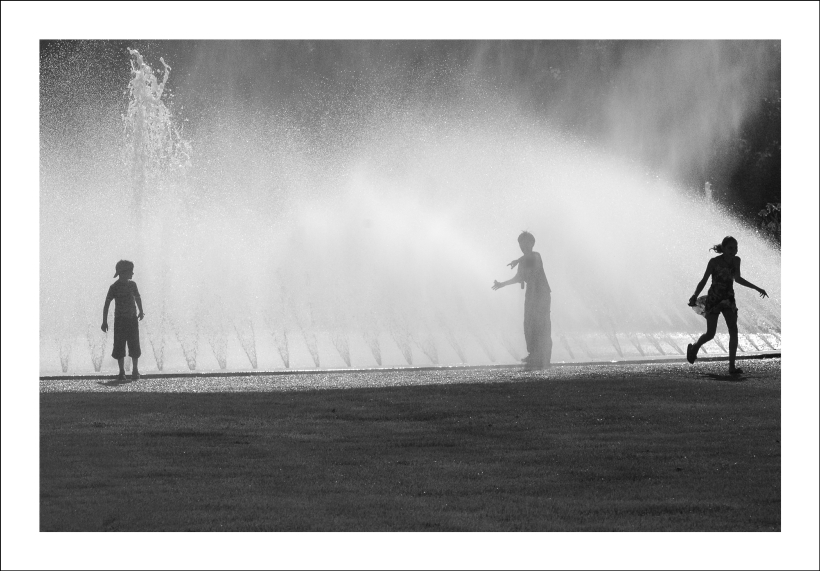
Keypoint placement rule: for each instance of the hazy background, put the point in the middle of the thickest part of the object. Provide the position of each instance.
(691, 110)
(343, 191)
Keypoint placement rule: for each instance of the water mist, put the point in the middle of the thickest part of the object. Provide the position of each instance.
(259, 246)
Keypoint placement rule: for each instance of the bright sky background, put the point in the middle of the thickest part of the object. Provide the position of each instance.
(24, 23)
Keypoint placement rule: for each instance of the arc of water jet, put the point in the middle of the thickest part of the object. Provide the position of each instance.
(655, 343)
(280, 337)
(428, 347)
(633, 338)
(215, 332)
(371, 338)
(753, 329)
(749, 340)
(484, 346)
(219, 346)
(245, 333)
(613, 338)
(369, 330)
(400, 333)
(565, 343)
(584, 347)
(65, 353)
(308, 328)
(403, 340)
(765, 324)
(158, 344)
(720, 344)
(218, 340)
(451, 338)
(189, 349)
(674, 345)
(281, 341)
(509, 346)
(607, 325)
(312, 345)
(763, 337)
(96, 346)
(340, 342)
(425, 341)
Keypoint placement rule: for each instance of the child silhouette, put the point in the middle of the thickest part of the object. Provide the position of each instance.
(537, 301)
(126, 324)
(724, 270)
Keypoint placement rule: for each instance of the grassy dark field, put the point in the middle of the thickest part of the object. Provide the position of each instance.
(640, 448)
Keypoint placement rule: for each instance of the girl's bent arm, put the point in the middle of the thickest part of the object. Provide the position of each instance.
(703, 281)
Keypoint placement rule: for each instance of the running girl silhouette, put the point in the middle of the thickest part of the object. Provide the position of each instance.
(724, 270)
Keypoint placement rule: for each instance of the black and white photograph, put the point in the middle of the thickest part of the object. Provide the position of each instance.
(501, 282)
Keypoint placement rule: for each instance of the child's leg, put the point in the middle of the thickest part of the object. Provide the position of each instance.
(731, 323)
(134, 347)
(547, 330)
(118, 351)
(529, 334)
(711, 328)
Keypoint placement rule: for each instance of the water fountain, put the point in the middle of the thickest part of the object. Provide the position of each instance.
(260, 246)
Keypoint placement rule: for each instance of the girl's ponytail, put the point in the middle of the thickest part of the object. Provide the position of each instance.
(719, 247)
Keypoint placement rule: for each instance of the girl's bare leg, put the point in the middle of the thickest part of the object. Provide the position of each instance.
(731, 324)
(711, 328)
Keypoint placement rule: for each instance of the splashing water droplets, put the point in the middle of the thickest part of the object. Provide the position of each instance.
(367, 236)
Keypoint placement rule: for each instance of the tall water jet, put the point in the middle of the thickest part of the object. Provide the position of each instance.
(96, 346)
(158, 157)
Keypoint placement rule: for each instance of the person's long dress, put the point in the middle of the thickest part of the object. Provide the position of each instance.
(537, 301)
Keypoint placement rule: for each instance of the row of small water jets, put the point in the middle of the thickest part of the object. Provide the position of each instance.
(579, 347)
(283, 338)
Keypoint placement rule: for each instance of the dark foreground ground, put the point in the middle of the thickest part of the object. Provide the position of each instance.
(649, 447)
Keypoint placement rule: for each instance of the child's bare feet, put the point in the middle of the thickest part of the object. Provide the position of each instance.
(121, 376)
(735, 371)
(135, 375)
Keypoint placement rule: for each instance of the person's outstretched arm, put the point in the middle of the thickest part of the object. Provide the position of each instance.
(693, 300)
(748, 284)
(517, 278)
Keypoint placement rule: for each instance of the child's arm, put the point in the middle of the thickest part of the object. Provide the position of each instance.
(138, 299)
(693, 300)
(105, 314)
(517, 278)
(748, 284)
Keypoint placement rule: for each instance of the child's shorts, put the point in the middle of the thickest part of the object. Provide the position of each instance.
(126, 332)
